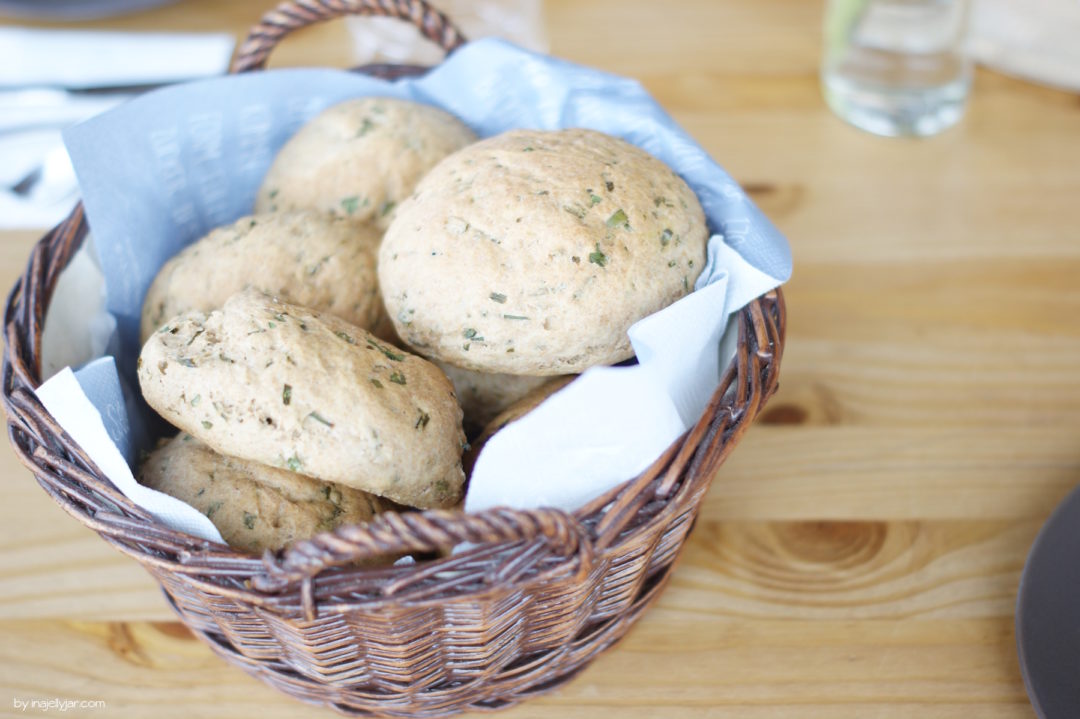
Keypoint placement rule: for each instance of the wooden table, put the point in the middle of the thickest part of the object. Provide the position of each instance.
(859, 554)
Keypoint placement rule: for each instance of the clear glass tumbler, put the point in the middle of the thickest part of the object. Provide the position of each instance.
(896, 67)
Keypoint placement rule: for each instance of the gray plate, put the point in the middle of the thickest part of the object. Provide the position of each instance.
(1048, 615)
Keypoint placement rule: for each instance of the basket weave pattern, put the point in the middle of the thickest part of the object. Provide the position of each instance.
(536, 597)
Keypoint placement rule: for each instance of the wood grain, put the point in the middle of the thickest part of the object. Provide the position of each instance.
(859, 555)
(800, 617)
(673, 664)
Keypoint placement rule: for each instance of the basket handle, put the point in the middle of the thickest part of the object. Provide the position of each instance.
(295, 14)
(434, 530)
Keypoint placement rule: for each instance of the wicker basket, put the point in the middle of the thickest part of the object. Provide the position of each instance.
(539, 595)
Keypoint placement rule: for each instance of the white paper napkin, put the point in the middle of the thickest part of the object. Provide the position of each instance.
(611, 423)
(68, 400)
(94, 59)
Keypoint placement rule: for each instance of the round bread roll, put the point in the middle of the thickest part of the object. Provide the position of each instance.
(533, 252)
(483, 395)
(282, 385)
(306, 258)
(255, 507)
(360, 158)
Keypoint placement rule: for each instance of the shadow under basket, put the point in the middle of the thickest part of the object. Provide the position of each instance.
(535, 599)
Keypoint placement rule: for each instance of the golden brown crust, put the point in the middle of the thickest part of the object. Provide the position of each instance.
(282, 385)
(255, 507)
(533, 252)
(360, 158)
(306, 258)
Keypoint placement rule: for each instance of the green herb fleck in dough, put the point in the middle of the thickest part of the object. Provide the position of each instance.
(365, 127)
(618, 218)
(345, 336)
(689, 263)
(377, 383)
(514, 317)
(350, 204)
(249, 520)
(576, 210)
(211, 509)
(387, 208)
(387, 352)
(423, 420)
(685, 284)
(469, 333)
(195, 400)
(273, 193)
(397, 377)
(294, 463)
(201, 492)
(671, 263)
(319, 418)
(271, 325)
(609, 185)
(280, 316)
(442, 487)
(594, 199)
(665, 237)
(207, 425)
(286, 394)
(527, 149)
(498, 297)
(186, 362)
(598, 257)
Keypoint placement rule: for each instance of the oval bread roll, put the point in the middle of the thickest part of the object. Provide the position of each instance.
(307, 258)
(360, 158)
(282, 385)
(255, 507)
(533, 252)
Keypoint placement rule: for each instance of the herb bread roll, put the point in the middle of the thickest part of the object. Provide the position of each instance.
(255, 507)
(282, 385)
(533, 252)
(360, 158)
(307, 258)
